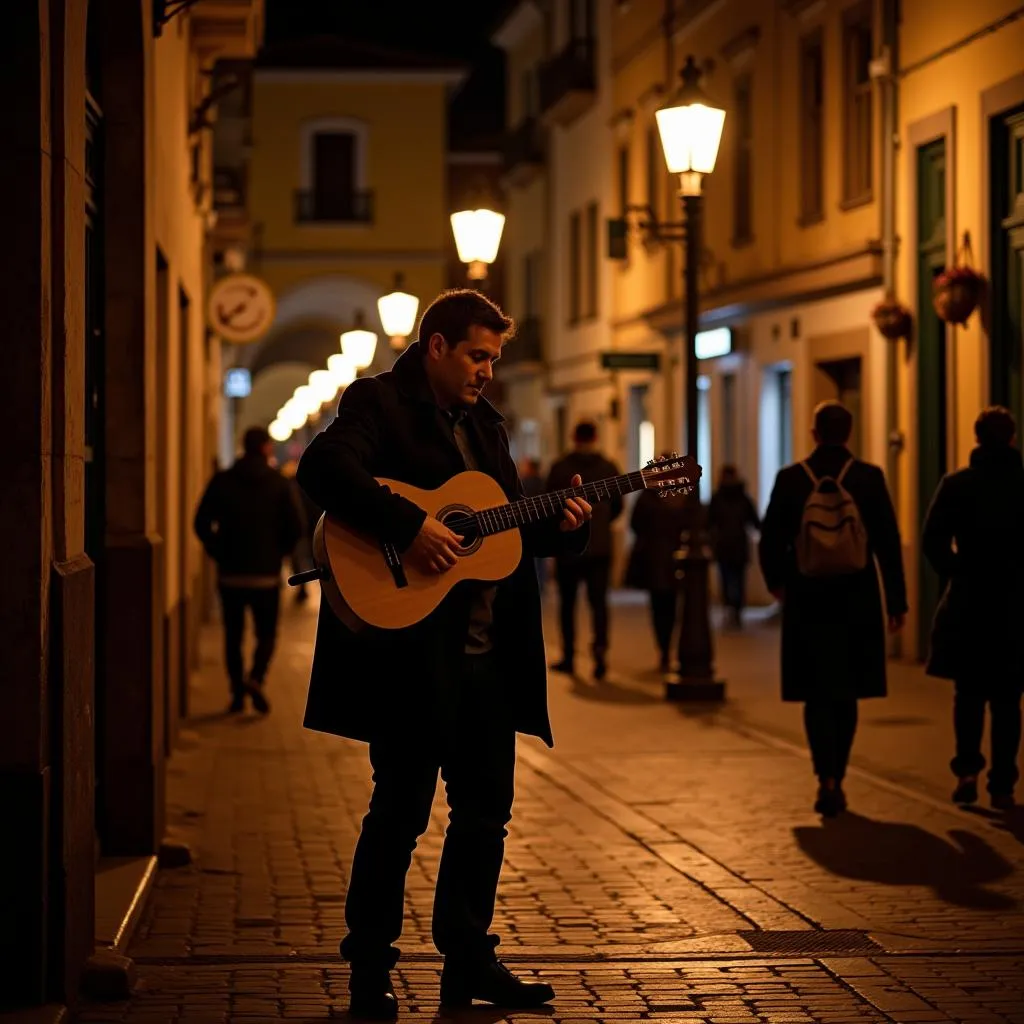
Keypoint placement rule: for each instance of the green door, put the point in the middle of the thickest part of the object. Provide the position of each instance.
(931, 357)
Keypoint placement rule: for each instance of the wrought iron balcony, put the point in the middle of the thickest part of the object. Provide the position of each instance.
(568, 83)
(312, 207)
(524, 152)
(526, 346)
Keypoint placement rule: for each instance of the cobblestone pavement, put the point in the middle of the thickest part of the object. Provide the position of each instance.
(664, 863)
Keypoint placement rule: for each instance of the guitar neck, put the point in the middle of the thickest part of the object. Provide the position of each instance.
(545, 506)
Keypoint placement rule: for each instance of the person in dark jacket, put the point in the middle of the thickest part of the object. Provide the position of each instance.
(973, 536)
(657, 522)
(533, 487)
(248, 520)
(451, 691)
(833, 637)
(730, 515)
(593, 568)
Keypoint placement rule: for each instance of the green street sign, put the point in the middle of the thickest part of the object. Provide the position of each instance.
(630, 360)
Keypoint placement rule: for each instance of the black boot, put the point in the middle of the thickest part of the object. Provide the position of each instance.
(373, 995)
(254, 688)
(491, 982)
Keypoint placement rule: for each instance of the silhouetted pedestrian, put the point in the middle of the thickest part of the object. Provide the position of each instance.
(730, 515)
(828, 520)
(249, 520)
(974, 538)
(657, 522)
(594, 567)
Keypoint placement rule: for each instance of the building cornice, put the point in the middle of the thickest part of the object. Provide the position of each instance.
(514, 30)
(381, 75)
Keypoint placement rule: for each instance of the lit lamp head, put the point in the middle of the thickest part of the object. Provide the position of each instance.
(323, 384)
(359, 344)
(398, 313)
(477, 236)
(342, 369)
(690, 130)
(279, 431)
(307, 400)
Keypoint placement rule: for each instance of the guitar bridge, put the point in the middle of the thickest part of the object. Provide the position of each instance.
(394, 564)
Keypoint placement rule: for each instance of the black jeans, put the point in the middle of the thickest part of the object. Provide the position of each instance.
(830, 725)
(969, 723)
(663, 617)
(594, 572)
(477, 762)
(264, 602)
(733, 586)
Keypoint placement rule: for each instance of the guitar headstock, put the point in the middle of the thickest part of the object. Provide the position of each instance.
(671, 474)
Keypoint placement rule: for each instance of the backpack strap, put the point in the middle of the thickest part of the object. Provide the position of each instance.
(807, 470)
(842, 472)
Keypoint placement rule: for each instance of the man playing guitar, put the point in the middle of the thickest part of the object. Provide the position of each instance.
(450, 692)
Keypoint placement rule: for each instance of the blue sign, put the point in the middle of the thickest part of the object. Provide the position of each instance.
(237, 382)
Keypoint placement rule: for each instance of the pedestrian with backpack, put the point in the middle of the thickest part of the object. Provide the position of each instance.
(830, 518)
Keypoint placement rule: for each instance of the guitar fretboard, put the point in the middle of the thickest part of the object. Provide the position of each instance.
(544, 506)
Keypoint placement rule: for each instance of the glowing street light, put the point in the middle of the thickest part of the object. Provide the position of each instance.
(477, 236)
(293, 415)
(279, 431)
(398, 313)
(690, 130)
(323, 384)
(341, 369)
(359, 344)
(307, 399)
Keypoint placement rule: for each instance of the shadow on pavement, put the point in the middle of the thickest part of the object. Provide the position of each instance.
(1011, 821)
(483, 1014)
(610, 693)
(894, 853)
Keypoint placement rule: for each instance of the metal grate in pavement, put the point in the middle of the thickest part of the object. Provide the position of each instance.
(810, 941)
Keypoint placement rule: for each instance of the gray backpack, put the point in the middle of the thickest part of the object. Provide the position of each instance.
(832, 540)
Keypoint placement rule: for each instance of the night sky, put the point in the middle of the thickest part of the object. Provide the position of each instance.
(464, 34)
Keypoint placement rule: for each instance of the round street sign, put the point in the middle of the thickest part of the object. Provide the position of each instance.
(241, 308)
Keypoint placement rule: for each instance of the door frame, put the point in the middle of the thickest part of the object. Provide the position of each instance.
(940, 125)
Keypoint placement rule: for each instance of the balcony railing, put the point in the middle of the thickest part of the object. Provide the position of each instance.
(313, 207)
(568, 82)
(526, 346)
(524, 151)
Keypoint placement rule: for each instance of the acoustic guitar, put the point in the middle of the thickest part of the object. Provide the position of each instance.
(366, 583)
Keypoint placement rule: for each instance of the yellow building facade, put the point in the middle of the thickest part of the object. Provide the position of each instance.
(111, 385)
(346, 186)
(960, 179)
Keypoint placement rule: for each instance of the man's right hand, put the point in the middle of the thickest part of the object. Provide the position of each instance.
(435, 548)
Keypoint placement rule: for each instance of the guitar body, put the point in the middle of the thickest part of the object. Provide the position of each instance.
(362, 590)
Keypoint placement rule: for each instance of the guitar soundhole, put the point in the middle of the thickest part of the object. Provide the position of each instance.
(458, 518)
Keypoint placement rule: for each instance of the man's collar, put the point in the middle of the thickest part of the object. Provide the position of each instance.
(411, 379)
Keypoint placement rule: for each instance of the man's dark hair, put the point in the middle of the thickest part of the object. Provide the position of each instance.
(454, 312)
(833, 423)
(585, 432)
(995, 427)
(255, 440)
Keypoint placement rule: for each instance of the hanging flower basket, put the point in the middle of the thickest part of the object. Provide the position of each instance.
(892, 319)
(957, 291)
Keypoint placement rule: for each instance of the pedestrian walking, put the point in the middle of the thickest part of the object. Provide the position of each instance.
(657, 522)
(593, 568)
(829, 519)
(248, 520)
(731, 515)
(973, 536)
(448, 693)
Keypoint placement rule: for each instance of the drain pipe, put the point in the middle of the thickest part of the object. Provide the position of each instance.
(889, 61)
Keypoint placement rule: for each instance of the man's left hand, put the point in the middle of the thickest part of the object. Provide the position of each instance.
(577, 511)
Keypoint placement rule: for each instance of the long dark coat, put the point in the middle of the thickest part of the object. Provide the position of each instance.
(978, 629)
(833, 630)
(656, 522)
(364, 683)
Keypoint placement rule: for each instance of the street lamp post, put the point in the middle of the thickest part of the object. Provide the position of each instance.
(477, 237)
(691, 130)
